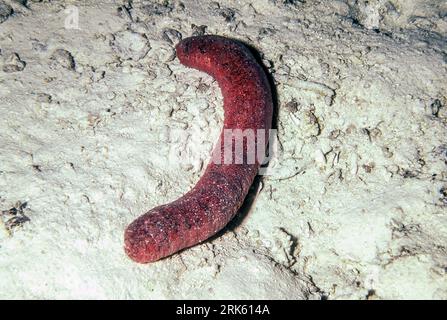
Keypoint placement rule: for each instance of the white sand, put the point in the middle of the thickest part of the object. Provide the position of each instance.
(93, 121)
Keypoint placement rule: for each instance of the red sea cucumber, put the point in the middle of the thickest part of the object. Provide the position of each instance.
(220, 192)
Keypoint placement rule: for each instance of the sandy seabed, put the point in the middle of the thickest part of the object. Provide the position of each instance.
(96, 113)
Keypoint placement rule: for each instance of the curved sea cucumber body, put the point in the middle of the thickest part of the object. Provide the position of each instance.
(221, 190)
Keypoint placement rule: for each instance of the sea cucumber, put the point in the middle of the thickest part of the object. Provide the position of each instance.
(221, 190)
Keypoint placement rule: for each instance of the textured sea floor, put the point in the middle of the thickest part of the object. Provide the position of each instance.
(99, 122)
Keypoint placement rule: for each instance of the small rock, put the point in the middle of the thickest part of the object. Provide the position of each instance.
(63, 58)
(375, 133)
(266, 32)
(157, 9)
(335, 134)
(292, 106)
(435, 107)
(311, 124)
(172, 36)
(43, 97)
(125, 13)
(198, 30)
(5, 11)
(13, 63)
(228, 14)
(369, 167)
(387, 152)
(38, 46)
(130, 45)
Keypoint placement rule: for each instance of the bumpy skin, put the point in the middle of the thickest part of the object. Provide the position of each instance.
(220, 192)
